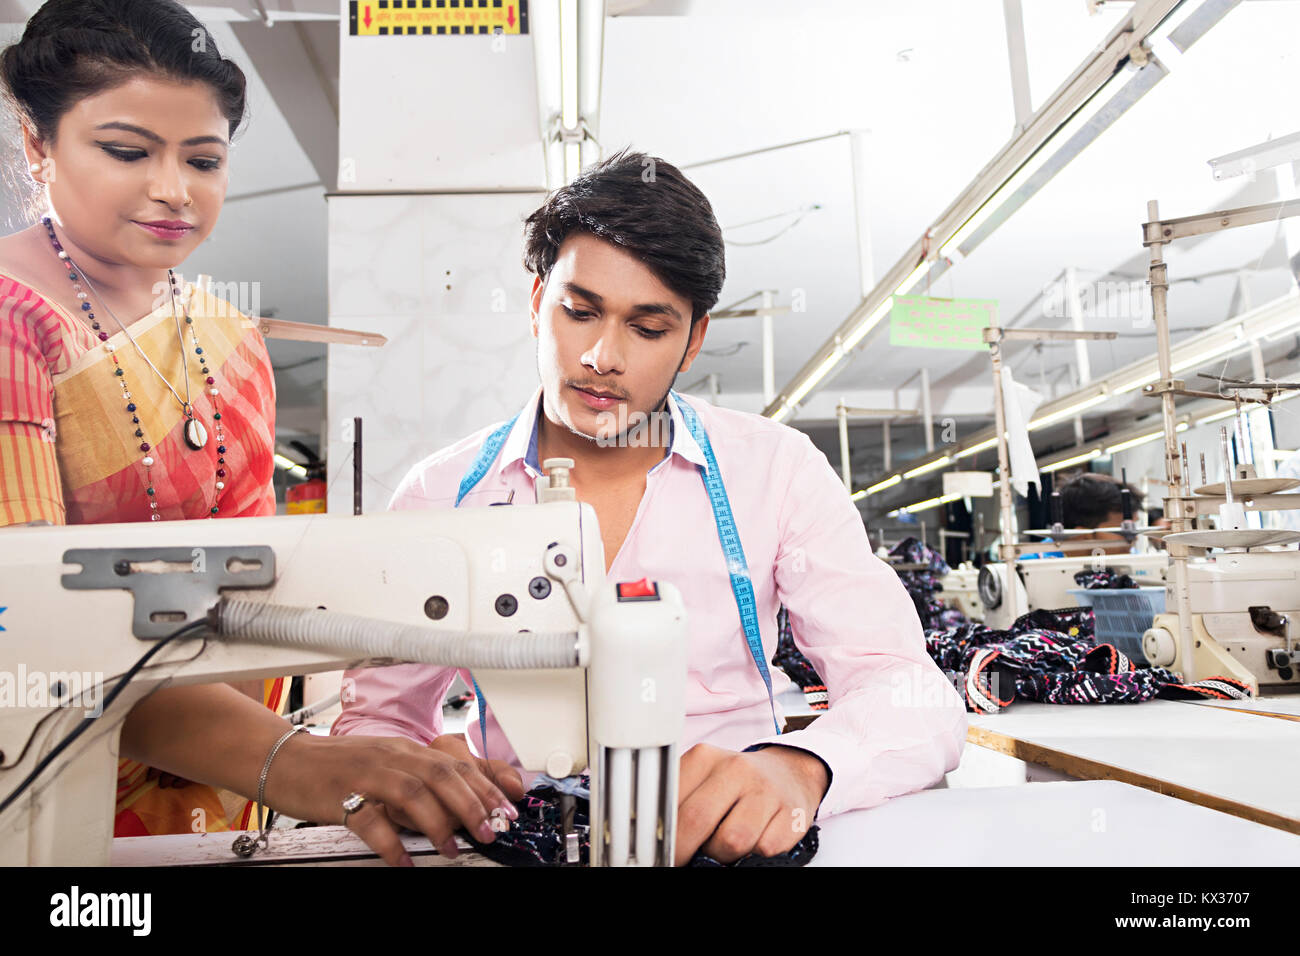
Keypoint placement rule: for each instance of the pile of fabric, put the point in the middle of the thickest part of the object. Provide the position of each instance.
(1103, 579)
(797, 667)
(922, 584)
(1052, 657)
(1047, 656)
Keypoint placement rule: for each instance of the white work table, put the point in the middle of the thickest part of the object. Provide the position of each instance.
(1077, 823)
(1241, 763)
(1083, 823)
(1284, 708)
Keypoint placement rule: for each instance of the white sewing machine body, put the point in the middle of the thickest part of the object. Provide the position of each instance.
(1245, 608)
(1230, 640)
(508, 570)
(1046, 582)
(959, 588)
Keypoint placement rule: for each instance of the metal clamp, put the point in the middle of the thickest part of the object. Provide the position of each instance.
(172, 586)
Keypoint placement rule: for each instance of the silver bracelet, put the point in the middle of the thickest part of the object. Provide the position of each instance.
(244, 844)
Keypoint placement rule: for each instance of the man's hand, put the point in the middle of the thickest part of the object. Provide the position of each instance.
(733, 804)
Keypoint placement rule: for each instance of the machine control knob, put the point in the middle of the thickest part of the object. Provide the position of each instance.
(557, 469)
(559, 765)
(1159, 647)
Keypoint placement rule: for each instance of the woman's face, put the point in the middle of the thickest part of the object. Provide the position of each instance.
(137, 173)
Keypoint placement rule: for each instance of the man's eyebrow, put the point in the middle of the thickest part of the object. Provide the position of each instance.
(652, 308)
(154, 137)
(593, 297)
(658, 308)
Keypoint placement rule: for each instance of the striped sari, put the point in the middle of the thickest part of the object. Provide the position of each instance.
(69, 455)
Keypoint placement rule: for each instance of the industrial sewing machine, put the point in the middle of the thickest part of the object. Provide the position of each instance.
(1244, 606)
(1046, 582)
(959, 589)
(582, 674)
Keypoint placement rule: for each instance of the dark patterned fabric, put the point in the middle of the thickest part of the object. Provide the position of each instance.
(921, 584)
(1045, 656)
(797, 667)
(535, 838)
(1052, 657)
(1103, 579)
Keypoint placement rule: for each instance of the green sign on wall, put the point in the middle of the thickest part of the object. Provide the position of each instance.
(926, 323)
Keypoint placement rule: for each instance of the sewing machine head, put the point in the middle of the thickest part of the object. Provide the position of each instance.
(92, 599)
(1245, 609)
(1046, 582)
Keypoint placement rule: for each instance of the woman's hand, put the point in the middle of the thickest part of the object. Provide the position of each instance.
(435, 790)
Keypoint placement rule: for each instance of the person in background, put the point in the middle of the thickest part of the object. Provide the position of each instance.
(1096, 501)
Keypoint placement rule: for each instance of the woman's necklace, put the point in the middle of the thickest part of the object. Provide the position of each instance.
(196, 436)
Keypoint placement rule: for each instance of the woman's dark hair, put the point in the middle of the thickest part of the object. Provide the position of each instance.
(72, 49)
(646, 206)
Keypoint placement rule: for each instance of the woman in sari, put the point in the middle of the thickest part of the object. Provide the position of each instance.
(127, 394)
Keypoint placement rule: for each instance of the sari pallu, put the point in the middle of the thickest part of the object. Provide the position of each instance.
(69, 446)
(101, 461)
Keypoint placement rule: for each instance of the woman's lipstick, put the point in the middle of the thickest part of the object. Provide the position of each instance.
(166, 229)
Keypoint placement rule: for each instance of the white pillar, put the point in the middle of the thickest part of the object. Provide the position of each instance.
(842, 418)
(926, 416)
(862, 208)
(769, 351)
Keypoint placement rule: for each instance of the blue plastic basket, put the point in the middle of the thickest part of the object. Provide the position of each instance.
(1122, 615)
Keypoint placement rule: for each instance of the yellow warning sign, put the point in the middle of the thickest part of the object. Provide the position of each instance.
(370, 18)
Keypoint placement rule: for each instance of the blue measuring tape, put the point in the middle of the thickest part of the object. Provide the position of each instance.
(487, 454)
(742, 587)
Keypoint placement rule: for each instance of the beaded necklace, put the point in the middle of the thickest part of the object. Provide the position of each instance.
(195, 434)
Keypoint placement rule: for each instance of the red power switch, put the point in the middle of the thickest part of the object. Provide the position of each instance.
(637, 590)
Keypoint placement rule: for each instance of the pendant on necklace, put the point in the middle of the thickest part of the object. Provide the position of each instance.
(196, 436)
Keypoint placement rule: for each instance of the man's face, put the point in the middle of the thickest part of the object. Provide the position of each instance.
(611, 338)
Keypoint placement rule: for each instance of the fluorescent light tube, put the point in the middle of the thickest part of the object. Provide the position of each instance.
(882, 485)
(858, 334)
(1076, 460)
(928, 466)
(1069, 412)
(986, 443)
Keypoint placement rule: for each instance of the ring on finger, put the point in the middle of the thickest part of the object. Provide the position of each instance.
(351, 804)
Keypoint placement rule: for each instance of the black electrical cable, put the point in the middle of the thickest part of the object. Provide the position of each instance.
(108, 702)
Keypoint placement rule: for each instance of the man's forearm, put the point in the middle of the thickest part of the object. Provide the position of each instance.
(209, 733)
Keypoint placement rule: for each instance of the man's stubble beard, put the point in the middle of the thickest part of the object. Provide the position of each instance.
(620, 440)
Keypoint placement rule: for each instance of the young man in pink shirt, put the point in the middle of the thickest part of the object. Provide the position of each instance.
(628, 260)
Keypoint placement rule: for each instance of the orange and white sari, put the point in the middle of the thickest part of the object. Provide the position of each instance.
(69, 455)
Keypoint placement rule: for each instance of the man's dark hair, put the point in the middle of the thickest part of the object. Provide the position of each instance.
(646, 206)
(1089, 499)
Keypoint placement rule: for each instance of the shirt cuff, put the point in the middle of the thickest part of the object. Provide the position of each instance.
(834, 752)
(830, 774)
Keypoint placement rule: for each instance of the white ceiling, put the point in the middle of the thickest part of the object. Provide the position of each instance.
(694, 80)
(937, 114)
